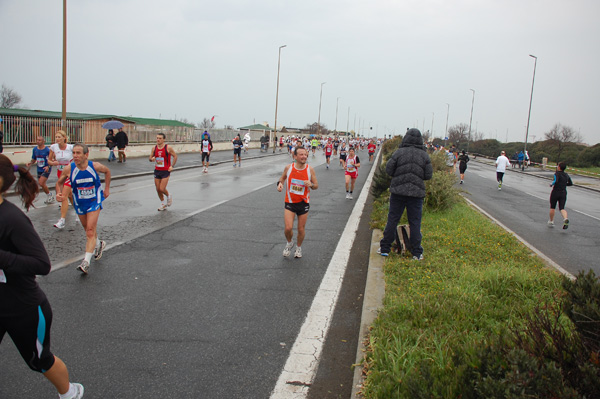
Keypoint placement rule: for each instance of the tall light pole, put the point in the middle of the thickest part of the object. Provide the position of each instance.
(471, 119)
(447, 115)
(277, 93)
(336, 112)
(64, 68)
(348, 121)
(529, 115)
(320, 100)
(432, 117)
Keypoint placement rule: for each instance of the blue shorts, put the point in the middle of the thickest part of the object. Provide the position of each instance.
(87, 207)
(40, 173)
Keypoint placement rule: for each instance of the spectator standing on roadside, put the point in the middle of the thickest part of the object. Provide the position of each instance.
(501, 164)
(559, 194)
(111, 143)
(409, 167)
(462, 165)
(122, 142)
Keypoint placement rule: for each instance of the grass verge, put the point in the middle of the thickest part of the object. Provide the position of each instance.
(476, 282)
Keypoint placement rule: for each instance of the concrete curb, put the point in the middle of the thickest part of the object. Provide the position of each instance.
(372, 302)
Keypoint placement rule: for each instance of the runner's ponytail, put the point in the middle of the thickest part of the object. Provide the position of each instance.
(26, 186)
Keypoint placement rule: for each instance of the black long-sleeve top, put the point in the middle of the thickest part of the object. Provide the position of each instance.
(22, 257)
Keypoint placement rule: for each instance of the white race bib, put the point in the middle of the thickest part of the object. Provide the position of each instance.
(160, 162)
(297, 187)
(86, 192)
(41, 162)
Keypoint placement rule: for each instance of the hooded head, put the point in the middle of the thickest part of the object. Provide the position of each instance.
(412, 138)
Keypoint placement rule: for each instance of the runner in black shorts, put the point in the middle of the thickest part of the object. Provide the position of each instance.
(559, 194)
(25, 313)
(237, 150)
(165, 159)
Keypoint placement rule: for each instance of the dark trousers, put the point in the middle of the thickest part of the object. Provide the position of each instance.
(414, 210)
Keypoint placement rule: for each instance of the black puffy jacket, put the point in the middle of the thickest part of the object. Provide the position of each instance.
(410, 166)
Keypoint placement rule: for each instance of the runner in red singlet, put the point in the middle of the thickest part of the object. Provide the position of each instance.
(161, 155)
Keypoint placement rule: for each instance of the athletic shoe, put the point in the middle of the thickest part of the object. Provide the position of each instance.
(327, 166)
(169, 200)
(84, 267)
(550, 223)
(98, 251)
(162, 207)
(79, 389)
(461, 182)
(349, 195)
(60, 224)
(499, 186)
(298, 253)
(288, 249)
(240, 165)
(234, 165)
(382, 253)
(420, 257)
(566, 224)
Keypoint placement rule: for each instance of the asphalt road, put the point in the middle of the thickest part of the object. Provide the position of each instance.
(197, 301)
(523, 205)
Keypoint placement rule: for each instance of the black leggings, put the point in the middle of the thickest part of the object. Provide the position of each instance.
(29, 329)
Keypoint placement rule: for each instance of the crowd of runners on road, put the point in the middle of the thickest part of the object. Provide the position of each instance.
(25, 313)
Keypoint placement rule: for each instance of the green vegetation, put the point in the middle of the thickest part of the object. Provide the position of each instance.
(480, 317)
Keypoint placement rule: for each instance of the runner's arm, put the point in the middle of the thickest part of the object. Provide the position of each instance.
(174, 160)
(282, 179)
(104, 169)
(314, 184)
(151, 158)
(66, 172)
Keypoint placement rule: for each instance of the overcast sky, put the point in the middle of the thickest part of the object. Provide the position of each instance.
(393, 64)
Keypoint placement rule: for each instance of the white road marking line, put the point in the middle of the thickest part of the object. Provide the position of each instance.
(583, 213)
(65, 263)
(301, 366)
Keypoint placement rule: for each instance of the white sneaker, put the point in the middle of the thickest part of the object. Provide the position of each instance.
(60, 224)
(420, 257)
(288, 249)
(349, 195)
(169, 200)
(49, 200)
(98, 251)
(162, 207)
(84, 267)
(550, 223)
(298, 253)
(79, 389)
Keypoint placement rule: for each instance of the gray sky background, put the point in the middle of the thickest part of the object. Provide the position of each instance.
(394, 63)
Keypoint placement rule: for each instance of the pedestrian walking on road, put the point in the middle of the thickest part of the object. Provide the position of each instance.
(298, 179)
(122, 142)
(25, 313)
(206, 147)
(111, 143)
(502, 162)
(559, 194)
(165, 159)
(409, 167)
(87, 198)
(237, 150)
(463, 159)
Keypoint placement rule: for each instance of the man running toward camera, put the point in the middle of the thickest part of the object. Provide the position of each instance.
(165, 159)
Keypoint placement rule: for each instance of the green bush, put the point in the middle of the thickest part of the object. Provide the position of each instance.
(441, 193)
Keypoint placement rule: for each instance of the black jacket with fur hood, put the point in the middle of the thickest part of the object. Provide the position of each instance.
(410, 166)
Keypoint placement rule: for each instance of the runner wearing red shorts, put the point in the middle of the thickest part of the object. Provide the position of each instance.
(351, 168)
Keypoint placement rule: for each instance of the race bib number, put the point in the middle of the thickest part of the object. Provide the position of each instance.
(297, 187)
(236, 146)
(350, 166)
(2, 277)
(160, 162)
(61, 167)
(41, 162)
(86, 192)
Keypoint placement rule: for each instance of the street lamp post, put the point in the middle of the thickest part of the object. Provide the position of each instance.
(529, 115)
(348, 121)
(471, 119)
(319, 120)
(336, 113)
(277, 93)
(447, 115)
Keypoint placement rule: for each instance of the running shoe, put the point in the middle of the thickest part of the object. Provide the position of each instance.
(566, 224)
(84, 267)
(298, 253)
(327, 166)
(98, 251)
(349, 195)
(288, 249)
(60, 224)
(49, 200)
(461, 182)
(162, 207)
(550, 223)
(499, 186)
(169, 200)
(79, 389)
(234, 165)
(420, 257)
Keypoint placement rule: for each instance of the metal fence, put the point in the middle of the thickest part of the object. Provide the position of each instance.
(20, 130)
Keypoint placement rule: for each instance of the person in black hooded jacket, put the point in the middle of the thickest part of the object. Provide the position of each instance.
(409, 167)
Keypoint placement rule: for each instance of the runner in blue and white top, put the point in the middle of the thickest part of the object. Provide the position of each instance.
(87, 198)
(39, 156)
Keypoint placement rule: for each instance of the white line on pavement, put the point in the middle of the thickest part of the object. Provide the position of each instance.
(301, 366)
